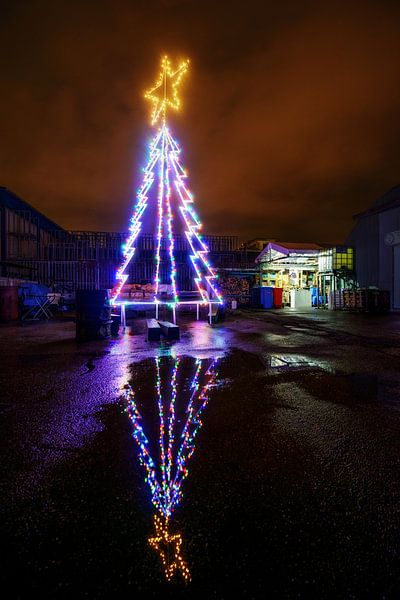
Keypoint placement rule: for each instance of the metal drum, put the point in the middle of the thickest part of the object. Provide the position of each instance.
(9, 303)
(93, 314)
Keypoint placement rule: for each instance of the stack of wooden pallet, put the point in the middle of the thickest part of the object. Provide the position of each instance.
(336, 300)
(371, 300)
(354, 299)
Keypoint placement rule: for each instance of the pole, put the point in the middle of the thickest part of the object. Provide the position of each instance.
(123, 317)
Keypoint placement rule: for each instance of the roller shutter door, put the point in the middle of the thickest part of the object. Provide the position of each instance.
(396, 276)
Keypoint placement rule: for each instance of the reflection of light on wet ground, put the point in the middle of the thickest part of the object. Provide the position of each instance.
(169, 548)
(292, 461)
(276, 363)
(166, 409)
(206, 337)
(198, 339)
(122, 348)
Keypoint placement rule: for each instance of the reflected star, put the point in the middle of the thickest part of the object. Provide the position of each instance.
(169, 548)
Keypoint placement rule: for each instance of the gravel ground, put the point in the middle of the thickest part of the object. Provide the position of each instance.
(293, 485)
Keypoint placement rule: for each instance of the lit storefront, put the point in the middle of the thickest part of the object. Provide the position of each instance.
(293, 268)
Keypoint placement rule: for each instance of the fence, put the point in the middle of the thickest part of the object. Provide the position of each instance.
(89, 260)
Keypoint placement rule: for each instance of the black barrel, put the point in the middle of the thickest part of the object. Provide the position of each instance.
(256, 297)
(8, 303)
(93, 314)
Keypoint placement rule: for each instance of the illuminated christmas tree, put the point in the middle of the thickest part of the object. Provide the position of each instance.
(164, 185)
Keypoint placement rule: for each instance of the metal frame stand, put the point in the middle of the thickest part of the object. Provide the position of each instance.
(166, 305)
(41, 307)
(123, 317)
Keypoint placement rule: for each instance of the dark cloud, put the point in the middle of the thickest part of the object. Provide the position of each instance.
(290, 121)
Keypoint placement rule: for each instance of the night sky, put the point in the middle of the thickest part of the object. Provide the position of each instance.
(290, 121)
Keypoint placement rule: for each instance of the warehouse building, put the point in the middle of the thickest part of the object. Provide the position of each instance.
(24, 232)
(34, 248)
(376, 239)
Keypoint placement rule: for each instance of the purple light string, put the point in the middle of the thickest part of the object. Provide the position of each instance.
(165, 151)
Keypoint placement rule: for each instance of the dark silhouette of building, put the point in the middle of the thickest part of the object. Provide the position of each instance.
(376, 239)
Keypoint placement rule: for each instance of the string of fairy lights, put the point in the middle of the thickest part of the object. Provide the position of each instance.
(128, 249)
(165, 167)
(159, 94)
(166, 473)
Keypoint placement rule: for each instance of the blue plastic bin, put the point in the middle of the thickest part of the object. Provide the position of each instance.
(267, 297)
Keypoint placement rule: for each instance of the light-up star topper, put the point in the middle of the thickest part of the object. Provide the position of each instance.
(164, 94)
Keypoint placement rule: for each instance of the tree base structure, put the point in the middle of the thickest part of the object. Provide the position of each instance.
(212, 308)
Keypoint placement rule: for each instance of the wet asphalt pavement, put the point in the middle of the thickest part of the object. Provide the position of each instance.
(290, 480)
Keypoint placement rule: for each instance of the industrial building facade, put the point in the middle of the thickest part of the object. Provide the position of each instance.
(32, 247)
(35, 248)
(376, 239)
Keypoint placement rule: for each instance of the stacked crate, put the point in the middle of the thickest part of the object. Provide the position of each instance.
(367, 300)
(354, 299)
(336, 300)
(349, 300)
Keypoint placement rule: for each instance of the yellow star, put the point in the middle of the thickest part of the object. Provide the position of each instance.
(164, 94)
(169, 547)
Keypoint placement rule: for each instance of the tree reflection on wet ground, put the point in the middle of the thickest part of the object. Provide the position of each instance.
(282, 477)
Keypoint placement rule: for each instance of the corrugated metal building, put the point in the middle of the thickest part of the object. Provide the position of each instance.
(24, 231)
(35, 248)
(376, 238)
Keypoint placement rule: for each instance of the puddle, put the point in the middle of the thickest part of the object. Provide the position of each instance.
(167, 399)
(167, 407)
(216, 469)
(307, 330)
(280, 363)
(339, 384)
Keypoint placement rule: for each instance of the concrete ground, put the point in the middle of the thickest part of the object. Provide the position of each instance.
(293, 487)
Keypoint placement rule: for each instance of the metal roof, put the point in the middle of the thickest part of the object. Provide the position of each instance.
(287, 248)
(14, 202)
(389, 200)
